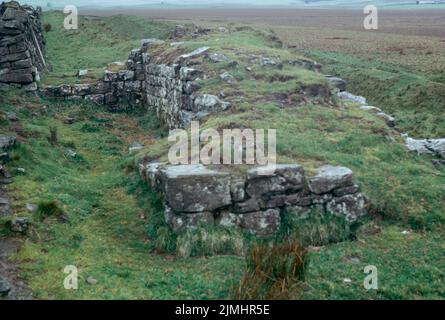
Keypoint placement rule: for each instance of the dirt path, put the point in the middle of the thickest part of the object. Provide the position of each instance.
(9, 270)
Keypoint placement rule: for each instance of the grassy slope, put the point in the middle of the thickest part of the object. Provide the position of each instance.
(94, 44)
(402, 74)
(107, 239)
(105, 236)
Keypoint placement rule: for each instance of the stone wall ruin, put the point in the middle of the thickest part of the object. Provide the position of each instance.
(167, 89)
(22, 46)
(194, 195)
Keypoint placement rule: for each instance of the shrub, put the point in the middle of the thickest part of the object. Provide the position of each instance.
(52, 138)
(48, 209)
(272, 271)
(47, 27)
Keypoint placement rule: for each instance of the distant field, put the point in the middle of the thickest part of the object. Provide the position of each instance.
(399, 67)
(412, 22)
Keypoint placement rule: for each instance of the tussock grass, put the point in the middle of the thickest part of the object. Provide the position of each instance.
(208, 241)
(273, 271)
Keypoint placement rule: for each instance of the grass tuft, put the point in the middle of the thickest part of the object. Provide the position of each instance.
(272, 271)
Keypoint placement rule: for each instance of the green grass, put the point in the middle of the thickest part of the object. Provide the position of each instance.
(415, 98)
(103, 233)
(409, 266)
(94, 45)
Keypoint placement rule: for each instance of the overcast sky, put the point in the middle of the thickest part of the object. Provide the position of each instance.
(57, 4)
(114, 3)
(193, 3)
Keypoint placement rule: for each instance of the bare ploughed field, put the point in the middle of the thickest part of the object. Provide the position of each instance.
(413, 39)
(409, 22)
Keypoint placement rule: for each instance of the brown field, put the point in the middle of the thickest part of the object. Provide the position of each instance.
(409, 22)
(413, 39)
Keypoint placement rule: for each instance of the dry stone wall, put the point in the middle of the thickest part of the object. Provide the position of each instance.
(22, 46)
(168, 89)
(194, 195)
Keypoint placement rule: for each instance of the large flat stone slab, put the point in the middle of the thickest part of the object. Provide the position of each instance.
(195, 188)
(329, 178)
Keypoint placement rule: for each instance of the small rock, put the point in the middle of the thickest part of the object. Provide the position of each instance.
(11, 116)
(5, 287)
(19, 224)
(195, 53)
(390, 121)
(370, 108)
(70, 153)
(347, 280)
(270, 62)
(6, 142)
(5, 207)
(91, 280)
(32, 207)
(135, 146)
(21, 170)
(344, 95)
(337, 83)
(208, 102)
(217, 57)
(227, 77)
(82, 73)
(405, 232)
(68, 120)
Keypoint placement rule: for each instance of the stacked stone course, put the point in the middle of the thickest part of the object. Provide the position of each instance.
(22, 46)
(194, 195)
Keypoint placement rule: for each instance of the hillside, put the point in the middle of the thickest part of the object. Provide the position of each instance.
(96, 212)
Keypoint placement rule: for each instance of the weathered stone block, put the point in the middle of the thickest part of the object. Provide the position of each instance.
(228, 220)
(16, 77)
(189, 74)
(329, 178)
(182, 222)
(125, 75)
(194, 188)
(81, 89)
(21, 64)
(6, 142)
(250, 205)
(96, 98)
(351, 206)
(261, 223)
(346, 190)
(15, 57)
